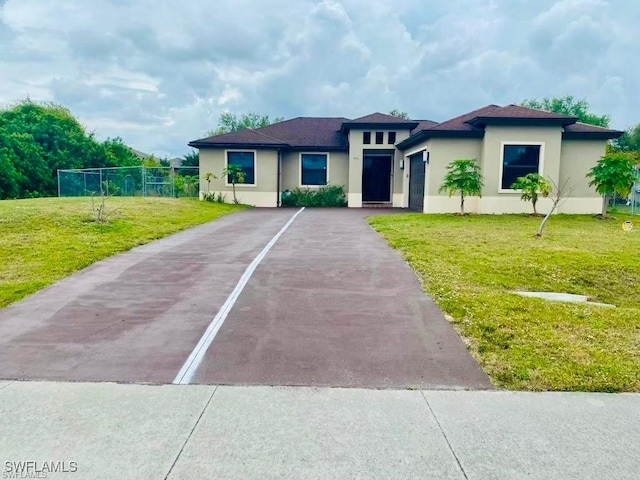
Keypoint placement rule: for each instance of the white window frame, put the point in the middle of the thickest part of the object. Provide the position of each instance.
(327, 154)
(540, 162)
(255, 167)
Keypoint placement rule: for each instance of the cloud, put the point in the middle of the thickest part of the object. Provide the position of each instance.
(159, 73)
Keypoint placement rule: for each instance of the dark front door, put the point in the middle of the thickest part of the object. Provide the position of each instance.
(416, 182)
(376, 178)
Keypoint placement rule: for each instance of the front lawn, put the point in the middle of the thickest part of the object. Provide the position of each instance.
(45, 239)
(469, 264)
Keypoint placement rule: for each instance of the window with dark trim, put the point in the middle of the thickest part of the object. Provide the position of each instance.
(314, 168)
(379, 138)
(392, 138)
(366, 138)
(518, 161)
(247, 162)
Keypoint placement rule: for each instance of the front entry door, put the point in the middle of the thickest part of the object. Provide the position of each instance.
(376, 178)
(416, 182)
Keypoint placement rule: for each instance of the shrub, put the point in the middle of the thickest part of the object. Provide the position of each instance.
(326, 196)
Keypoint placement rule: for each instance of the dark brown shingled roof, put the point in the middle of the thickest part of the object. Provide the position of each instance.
(584, 130)
(378, 120)
(241, 137)
(308, 132)
(516, 112)
(378, 117)
(460, 123)
(423, 124)
(301, 132)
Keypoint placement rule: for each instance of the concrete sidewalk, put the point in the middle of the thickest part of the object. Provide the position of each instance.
(116, 431)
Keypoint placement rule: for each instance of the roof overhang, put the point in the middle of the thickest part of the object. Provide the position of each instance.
(608, 135)
(427, 134)
(198, 144)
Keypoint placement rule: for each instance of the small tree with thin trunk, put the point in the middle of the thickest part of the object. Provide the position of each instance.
(614, 173)
(235, 175)
(532, 186)
(462, 176)
(208, 177)
(558, 194)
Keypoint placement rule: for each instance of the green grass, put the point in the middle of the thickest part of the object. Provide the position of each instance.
(469, 264)
(45, 239)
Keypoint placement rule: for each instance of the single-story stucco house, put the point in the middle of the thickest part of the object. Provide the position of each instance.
(390, 161)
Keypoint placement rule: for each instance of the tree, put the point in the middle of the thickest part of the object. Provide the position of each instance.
(397, 113)
(531, 186)
(462, 176)
(38, 139)
(561, 192)
(629, 141)
(191, 159)
(230, 122)
(208, 177)
(614, 173)
(568, 105)
(235, 175)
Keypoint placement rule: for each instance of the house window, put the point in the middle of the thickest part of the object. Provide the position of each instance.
(379, 138)
(392, 138)
(247, 162)
(313, 167)
(366, 138)
(518, 161)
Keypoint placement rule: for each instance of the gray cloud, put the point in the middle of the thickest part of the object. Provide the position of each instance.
(159, 73)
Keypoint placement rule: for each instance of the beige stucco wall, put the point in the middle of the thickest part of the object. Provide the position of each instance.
(262, 194)
(561, 159)
(549, 137)
(356, 147)
(577, 158)
(338, 169)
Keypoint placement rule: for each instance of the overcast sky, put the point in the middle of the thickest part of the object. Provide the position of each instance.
(158, 73)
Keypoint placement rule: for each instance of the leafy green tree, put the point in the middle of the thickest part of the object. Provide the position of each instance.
(191, 159)
(230, 122)
(38, 139)
(614, 173)
(235, 175)
(397, 113)
(462, 176)
(629, 141)
(568, 105)
(532, 185)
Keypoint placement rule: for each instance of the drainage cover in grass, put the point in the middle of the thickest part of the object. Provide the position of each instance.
(562, 297)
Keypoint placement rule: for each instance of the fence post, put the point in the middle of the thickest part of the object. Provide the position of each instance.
(58, 174)
(144, 181)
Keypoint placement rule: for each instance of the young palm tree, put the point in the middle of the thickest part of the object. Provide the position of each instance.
(532, 185)
(236, 175)
(463, 176)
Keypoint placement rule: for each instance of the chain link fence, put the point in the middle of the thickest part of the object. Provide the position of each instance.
(129, 182)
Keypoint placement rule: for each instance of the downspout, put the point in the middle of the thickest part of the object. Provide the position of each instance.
(278, 178)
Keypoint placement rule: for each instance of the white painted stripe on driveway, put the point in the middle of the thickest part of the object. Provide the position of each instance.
(188, 370)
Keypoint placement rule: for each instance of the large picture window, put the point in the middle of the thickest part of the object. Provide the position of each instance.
(313, 168)
(518, 161)
(247, 162)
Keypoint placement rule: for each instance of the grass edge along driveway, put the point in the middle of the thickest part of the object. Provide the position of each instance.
(45, 239)
(469, 264)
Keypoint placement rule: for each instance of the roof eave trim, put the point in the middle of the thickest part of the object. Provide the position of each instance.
(197, 144)
(480, 122)
(610, 135)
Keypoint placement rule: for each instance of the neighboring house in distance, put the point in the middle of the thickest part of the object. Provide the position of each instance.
(385, 160)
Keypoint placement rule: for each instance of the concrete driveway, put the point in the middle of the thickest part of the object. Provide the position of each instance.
(330, 304)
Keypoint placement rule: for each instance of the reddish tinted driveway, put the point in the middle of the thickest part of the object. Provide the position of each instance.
(330, 304)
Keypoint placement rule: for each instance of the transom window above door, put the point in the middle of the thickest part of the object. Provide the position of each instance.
(313, 169)
(518, 161)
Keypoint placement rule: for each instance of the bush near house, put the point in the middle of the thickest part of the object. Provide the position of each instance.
(326, 196)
